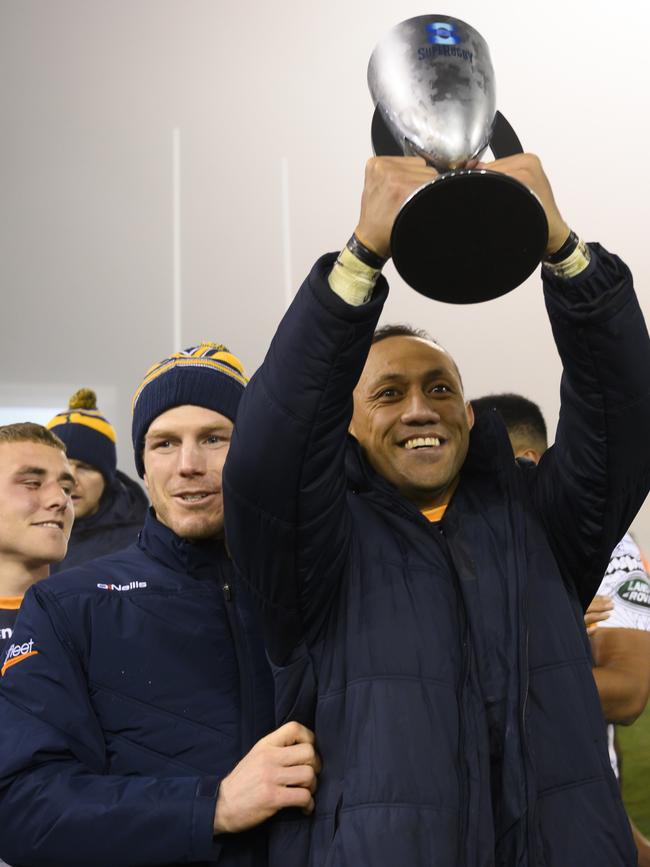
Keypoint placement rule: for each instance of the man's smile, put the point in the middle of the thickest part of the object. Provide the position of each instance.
(421, 442)
(190, 498)
(49, 525)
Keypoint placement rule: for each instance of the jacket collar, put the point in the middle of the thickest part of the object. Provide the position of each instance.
(199, 559)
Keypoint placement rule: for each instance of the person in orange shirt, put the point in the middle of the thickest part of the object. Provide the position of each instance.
(36, 516)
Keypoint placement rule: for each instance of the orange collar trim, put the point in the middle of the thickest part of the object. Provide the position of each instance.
(11, 602)
(435, 514)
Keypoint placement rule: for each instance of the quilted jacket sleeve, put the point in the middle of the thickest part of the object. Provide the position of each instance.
(592, 482)
(57, 803)
(284, 482)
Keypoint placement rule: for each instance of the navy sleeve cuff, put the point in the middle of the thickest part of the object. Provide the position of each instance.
(594, 295)
(204, 845)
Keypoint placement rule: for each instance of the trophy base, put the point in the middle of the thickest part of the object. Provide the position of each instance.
(468, 236)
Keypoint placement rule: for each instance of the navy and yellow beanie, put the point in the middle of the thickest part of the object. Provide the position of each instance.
(87, 435)
(207, 375)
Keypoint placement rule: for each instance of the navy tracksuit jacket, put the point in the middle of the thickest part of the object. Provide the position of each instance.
(133, 684)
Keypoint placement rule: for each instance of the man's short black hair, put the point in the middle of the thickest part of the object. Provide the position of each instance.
(401, 330)
(522, 417)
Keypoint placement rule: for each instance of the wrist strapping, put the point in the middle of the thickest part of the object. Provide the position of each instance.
(570, 260)
(352, 279)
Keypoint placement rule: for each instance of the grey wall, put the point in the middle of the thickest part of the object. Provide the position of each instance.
(272, 116)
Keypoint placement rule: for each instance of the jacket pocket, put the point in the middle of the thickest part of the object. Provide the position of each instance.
(333, 849)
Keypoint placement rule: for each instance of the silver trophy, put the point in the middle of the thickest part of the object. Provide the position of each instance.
(468, 235)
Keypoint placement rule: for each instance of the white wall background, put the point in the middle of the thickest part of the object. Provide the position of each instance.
(110, 221)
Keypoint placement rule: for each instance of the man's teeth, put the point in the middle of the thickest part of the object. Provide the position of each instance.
(420, 442)
(192, 498)
(50, 524)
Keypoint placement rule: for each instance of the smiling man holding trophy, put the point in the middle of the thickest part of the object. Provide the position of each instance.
(422, 593)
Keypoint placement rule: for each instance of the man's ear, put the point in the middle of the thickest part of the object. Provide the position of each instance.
(469, 409)
(144, 479)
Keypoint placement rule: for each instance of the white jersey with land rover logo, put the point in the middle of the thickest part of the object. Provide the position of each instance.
(627, 584)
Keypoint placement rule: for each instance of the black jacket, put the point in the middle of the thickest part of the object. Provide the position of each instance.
(114, 526)
(446, 668)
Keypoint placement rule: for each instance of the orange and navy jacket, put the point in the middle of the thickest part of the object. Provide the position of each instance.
(131, 686)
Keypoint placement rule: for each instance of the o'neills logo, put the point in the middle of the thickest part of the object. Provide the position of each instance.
(636, 591)
(18, 652)
(132, 585)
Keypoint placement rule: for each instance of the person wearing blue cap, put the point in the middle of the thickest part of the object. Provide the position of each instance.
(142, 724)
(109, 507)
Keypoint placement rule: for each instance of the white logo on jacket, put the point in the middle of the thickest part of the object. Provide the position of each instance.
(132, 585)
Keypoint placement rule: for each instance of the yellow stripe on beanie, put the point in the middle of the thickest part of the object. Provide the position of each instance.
(88, 436)
(207, 375)
(219, 359)
(88, 419)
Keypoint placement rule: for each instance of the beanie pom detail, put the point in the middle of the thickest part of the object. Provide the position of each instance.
(88, 436)
(84, 398)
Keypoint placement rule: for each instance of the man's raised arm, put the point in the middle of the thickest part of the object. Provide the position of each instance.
(597, 474)
(284, 481)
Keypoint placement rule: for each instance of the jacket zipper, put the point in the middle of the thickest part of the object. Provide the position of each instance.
(247, 706)
(463, 775)
(527, 763)
(462, 681)
(531, 799)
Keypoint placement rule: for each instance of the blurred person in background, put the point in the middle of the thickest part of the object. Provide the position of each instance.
(109, 507)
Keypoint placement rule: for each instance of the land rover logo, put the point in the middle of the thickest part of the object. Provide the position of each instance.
(636, 591)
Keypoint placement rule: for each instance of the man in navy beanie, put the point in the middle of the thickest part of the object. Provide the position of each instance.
(137, 731)
(109, 507)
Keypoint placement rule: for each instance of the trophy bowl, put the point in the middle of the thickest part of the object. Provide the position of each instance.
(468, 235)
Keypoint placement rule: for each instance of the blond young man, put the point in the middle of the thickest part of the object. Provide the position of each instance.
(36, 516)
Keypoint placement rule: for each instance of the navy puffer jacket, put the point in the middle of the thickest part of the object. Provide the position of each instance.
(137, 682)
(445, 667)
